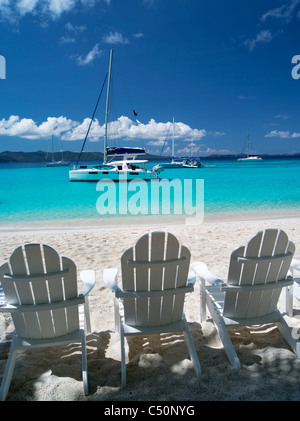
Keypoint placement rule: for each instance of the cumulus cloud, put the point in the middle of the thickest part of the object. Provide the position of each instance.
(12, 10)
(283, 134)
(122, 128)
(126, 129)
(28, 129)
(26, 6)
(115, 38)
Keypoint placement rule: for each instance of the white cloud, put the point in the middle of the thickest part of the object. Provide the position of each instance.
(282, 116)
(90, 57)
(246, 97)
(72, 32)
(67, 40)
(76, 29)
(12, 10)
(123, 128)
(283, 13)
(26, 6)
(26, 128)
(283, 134)
(138, 35)
(216, 133)
(58, 7)
(115, 38)
(263, 36)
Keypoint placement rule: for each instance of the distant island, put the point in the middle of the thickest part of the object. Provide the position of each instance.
(40, 156)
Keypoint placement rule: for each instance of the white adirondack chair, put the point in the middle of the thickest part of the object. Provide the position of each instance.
(154, 284)
(257, 273)
(41, 294)
(294, 289)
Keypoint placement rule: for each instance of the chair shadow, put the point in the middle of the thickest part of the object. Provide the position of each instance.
(63, 361)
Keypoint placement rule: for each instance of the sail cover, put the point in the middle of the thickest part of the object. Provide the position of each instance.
(125, 151)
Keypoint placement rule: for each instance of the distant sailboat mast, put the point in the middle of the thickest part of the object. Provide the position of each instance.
(249, 157)
(173, 141)
(107, 107)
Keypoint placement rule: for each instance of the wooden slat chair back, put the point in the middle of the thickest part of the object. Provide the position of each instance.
(156, 263)
(260, 269)
(35, 275)
(154, 283)
(40, 292)
(257, 273)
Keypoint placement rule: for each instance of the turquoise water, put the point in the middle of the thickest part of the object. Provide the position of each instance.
(33, 192)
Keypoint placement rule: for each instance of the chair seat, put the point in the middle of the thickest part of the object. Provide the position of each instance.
(256, 275)
(60, 340)
(149, 330)
(40, 292)
(155, 280)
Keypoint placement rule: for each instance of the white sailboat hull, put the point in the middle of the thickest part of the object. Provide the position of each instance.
(251, 159)
(94, 174)
(57, 164)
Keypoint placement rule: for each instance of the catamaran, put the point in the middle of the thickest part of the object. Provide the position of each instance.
(249, 157)
(119, 164)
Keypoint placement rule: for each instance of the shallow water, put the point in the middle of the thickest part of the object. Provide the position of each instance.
(35, 193)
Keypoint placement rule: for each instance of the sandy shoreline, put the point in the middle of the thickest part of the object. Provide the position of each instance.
(156, 372)
(145, 220)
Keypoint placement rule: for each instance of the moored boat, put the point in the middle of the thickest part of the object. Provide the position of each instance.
(126, 167)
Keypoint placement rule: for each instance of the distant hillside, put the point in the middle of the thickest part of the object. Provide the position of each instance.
(40, 156)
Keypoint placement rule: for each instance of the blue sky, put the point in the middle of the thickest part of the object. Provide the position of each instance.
(218, 67)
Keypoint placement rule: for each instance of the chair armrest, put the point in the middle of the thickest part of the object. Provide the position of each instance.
(110, 278)
(88, 278)
(295, 264)
(204, 274)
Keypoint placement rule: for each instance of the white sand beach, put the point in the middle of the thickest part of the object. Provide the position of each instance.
(158, 368)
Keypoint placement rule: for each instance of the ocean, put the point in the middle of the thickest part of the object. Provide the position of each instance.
(33, 193)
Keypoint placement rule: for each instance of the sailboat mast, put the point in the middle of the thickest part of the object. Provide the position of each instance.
(248, 143)
(107, 106)
(52, 150)
(173, 140)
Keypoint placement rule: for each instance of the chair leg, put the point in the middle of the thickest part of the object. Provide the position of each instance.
(191, 348)
(84, 365)
(287, 334)
(289, 300)
(123, 360)
(202, 301)
(9, 368)
(222, 331)
(87, 315)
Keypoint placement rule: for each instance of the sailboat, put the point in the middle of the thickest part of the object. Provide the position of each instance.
(173, 163)
(183, 163)
(54, 163)
(249, 157)
(122, 165)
